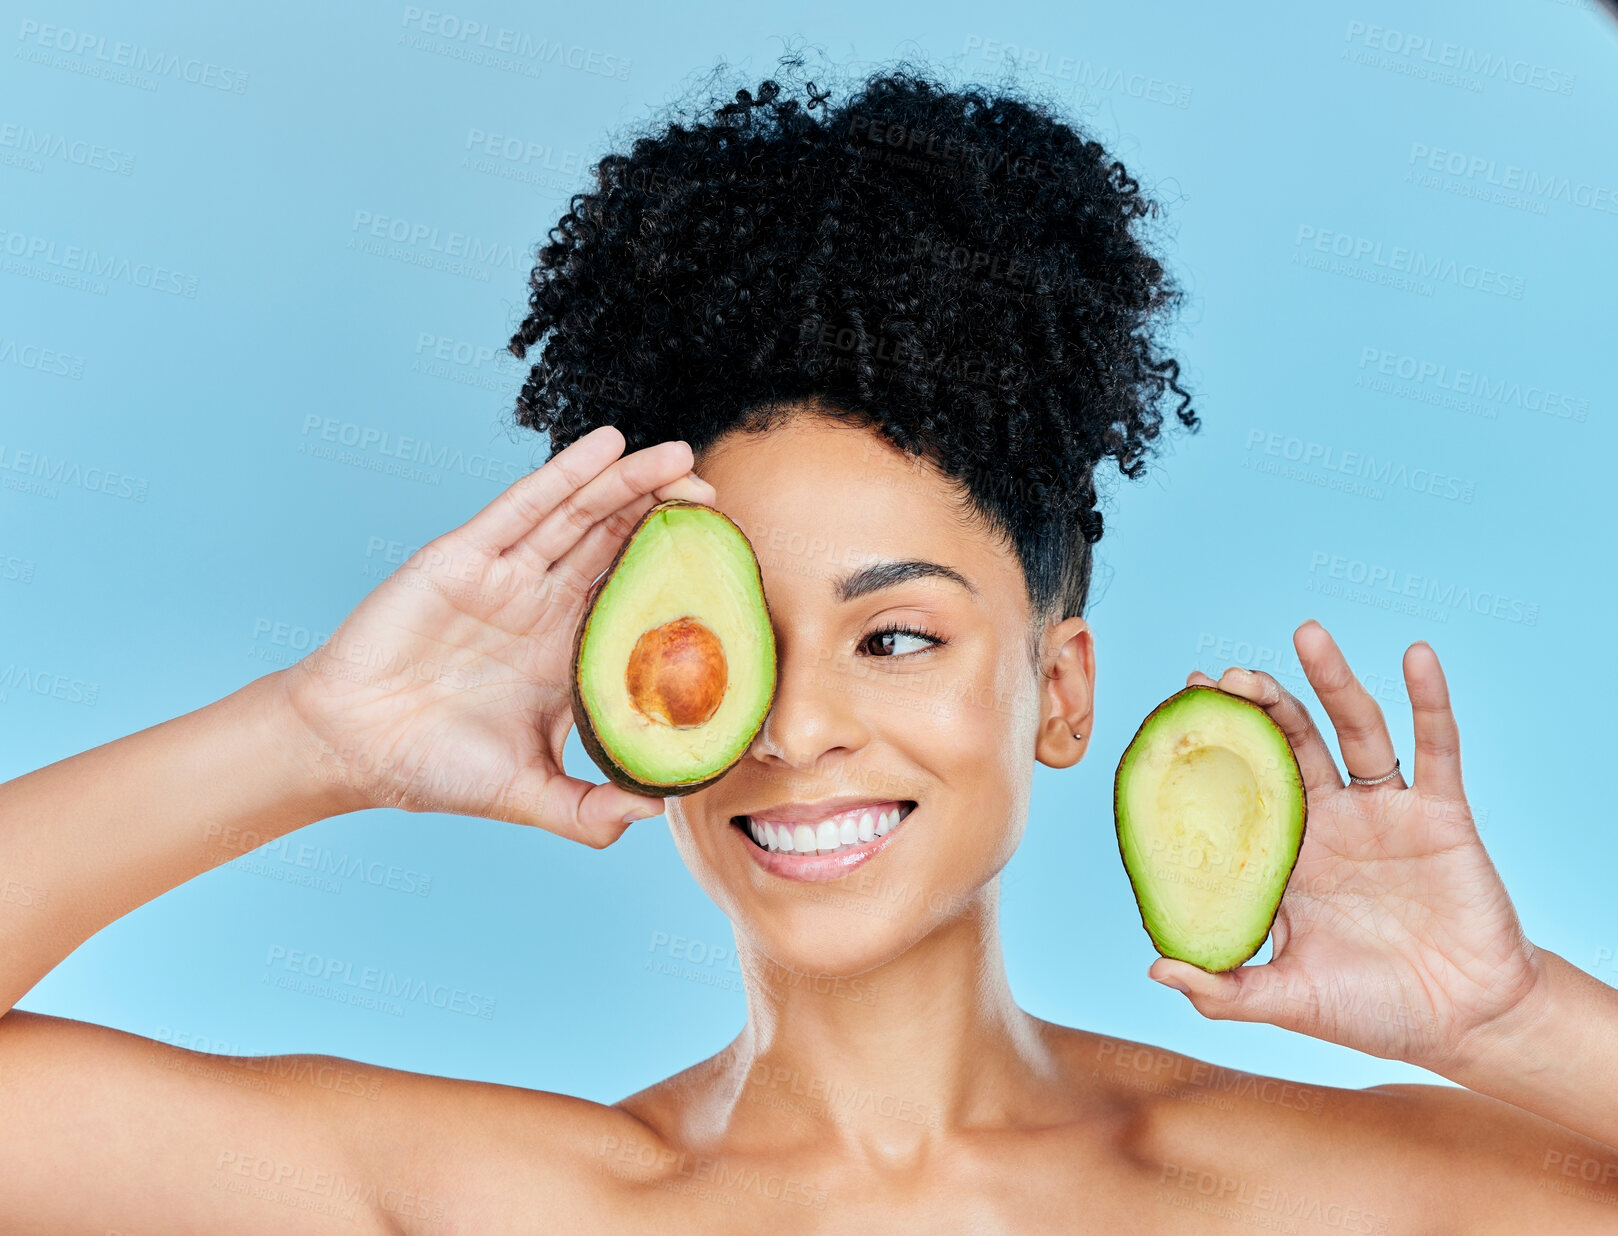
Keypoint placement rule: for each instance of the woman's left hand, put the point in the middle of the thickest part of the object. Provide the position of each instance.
(1395, 935)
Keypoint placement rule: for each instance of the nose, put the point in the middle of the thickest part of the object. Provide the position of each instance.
(813, 716)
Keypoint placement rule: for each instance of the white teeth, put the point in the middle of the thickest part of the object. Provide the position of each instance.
(826, 837)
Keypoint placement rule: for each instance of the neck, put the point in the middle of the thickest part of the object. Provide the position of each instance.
(886, 1061)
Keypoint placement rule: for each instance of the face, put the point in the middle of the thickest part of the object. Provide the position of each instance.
(905, 693)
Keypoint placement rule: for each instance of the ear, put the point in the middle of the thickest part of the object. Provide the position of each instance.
(1067, 695)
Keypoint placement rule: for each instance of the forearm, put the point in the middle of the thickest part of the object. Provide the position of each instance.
(1556, 1055)
(89, 838)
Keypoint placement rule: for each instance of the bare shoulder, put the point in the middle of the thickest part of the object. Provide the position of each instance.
(506, 1158)
(1418, 1158)
(308, 1143)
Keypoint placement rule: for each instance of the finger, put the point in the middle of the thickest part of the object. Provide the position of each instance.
(643, 472)
(1437, 768)
(689, 488)
(579, 567)
(1247, 993)
(1362, 732)
(1315, 760)
(594, 815)
(529, 499)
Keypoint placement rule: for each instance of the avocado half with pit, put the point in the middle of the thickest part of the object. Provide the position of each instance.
(674, 658)
(1210, 808)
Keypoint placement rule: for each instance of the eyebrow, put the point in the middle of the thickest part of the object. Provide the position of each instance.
(881, 575)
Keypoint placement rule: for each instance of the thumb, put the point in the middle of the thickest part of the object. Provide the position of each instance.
(594, 815)
(1247, 993)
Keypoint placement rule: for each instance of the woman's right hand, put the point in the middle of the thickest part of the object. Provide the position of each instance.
(447, 689)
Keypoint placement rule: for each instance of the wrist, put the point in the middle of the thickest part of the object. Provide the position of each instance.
(314, 773)
(1514, 1041)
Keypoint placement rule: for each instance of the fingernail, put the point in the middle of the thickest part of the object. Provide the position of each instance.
(1174, 983)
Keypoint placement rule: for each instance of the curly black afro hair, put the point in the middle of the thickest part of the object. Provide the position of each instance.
(960, 271)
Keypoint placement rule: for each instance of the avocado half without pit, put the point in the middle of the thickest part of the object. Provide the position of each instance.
(674, 658)
(1210, 808)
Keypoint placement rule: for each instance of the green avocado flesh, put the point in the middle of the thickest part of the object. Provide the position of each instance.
(674, 660)
(1210, 809)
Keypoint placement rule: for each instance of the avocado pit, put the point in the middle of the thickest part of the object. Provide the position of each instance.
(677, 673)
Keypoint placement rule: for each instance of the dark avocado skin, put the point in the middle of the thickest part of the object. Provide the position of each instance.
(1118, 824)
(581, 716)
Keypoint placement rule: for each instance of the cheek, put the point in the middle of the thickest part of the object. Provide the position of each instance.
(683, 830)
(979, 745)
(700, 837)
(978, 727)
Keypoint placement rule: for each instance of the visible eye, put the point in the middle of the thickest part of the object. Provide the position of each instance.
(899, 642)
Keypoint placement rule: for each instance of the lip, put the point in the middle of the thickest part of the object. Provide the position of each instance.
(815, 869)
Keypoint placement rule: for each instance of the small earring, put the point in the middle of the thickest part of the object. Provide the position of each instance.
(1077, 735)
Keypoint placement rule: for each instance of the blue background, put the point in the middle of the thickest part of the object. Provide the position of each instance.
(203, 528)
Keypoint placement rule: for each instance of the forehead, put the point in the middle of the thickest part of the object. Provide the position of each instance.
(819, 497)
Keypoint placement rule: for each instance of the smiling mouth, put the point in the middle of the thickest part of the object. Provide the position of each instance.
(834, 834)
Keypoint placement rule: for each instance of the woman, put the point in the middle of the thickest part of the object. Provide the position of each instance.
(891, 338)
